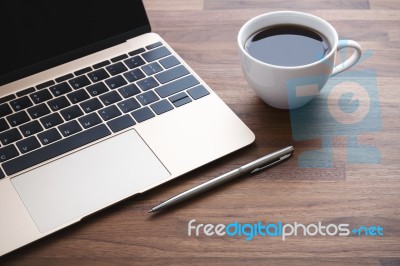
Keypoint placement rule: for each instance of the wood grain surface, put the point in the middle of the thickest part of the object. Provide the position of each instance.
(204, 33)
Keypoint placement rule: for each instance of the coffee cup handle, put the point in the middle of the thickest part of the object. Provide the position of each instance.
(352, 60)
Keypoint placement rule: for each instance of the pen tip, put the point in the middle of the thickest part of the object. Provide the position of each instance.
(151, 210)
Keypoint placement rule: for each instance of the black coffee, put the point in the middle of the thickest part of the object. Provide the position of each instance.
(287, 45)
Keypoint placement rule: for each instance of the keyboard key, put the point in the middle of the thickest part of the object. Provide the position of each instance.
(71, 112)
(38, 111)
(119, 58)
(101, 64)
(10, 136)
(172, 74)
(3, 125)
(116, 82)
(161, 106)
(147, 84)
(169, 62)
(2, 175)
(51, 120)
(97, 89)
(121, 123)
(91, 105)
(110, 98)
(40, 96)
(116, 69)
(21, 103)
(18, 118)
(7, 98)
(60, 89)
(28, 144)
(98, 75)
(152, 68)
(142, 114)
(79, 82)
(64, 78)
(176, 86)
(109, 112)
(128, 105)
(147, 98)
(155, 54)
(8, 153)
(83, 71)
(134, 75)
(154, 45)
(49, 136)
(129, 90)
(69, 128)
(48, 152)
(89, 120)
(78, 96)
(58, 103)
(198, 92)
(45, 84)
(137, 51)
(31, 128)
(180, 99)
(135, 61)
(25, 92)
(5, 109)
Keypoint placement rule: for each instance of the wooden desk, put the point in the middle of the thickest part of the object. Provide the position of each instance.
(204, 33)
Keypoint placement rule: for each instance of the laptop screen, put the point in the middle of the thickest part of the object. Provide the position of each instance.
(40, 34)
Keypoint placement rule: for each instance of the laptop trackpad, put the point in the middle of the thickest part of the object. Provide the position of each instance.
(79, 184)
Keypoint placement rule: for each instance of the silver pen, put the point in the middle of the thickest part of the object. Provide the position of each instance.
(253, 167)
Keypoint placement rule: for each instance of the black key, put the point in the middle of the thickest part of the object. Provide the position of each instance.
(58, 103)
(147, 98)
(119, 58)
(142, 114)
(31, 128)
(64, 78)
(51, 120)
(198, 92)
(10, 136)
(97, 89)
(129, 90)
(21, 103)
(8, 153)
(45, 84)
(3, 125)
(128, 105)
(180, 99)
(78, 96)
(155, 54)
(7, 98)
(135, 61)
(109, 112)
(89, 120)
(38, 111)
(5, 109)
(28, 144)
(49, 136)
(2, 175)
(69, 128)
(161, 106)
(98, 75)
(101, 64)
(56, 149)
(91, 105)
(154, 45)
(121, 123)
(134, 75)
(79, 82)
(41, 96)
(25, 92)
(60, 89)
(82, 71)
(71, 112)
(172, 74)
(18, 118)
(116, 69)
(147, 84)
(137, 51)
(176, 86)
(116, 82)
(152, 68)
(169, 62)
(110, 98)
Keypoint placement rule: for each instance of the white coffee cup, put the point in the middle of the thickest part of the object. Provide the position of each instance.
(284, 87)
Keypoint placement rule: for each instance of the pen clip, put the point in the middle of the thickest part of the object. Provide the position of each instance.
(282, 158)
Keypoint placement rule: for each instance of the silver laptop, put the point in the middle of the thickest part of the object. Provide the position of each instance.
(95, 108)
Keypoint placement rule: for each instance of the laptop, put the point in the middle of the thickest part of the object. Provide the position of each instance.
(95, 108)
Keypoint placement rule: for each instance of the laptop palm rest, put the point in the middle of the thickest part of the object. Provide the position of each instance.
(86, 181)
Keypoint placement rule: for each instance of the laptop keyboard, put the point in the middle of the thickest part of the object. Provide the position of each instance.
(58, 116)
